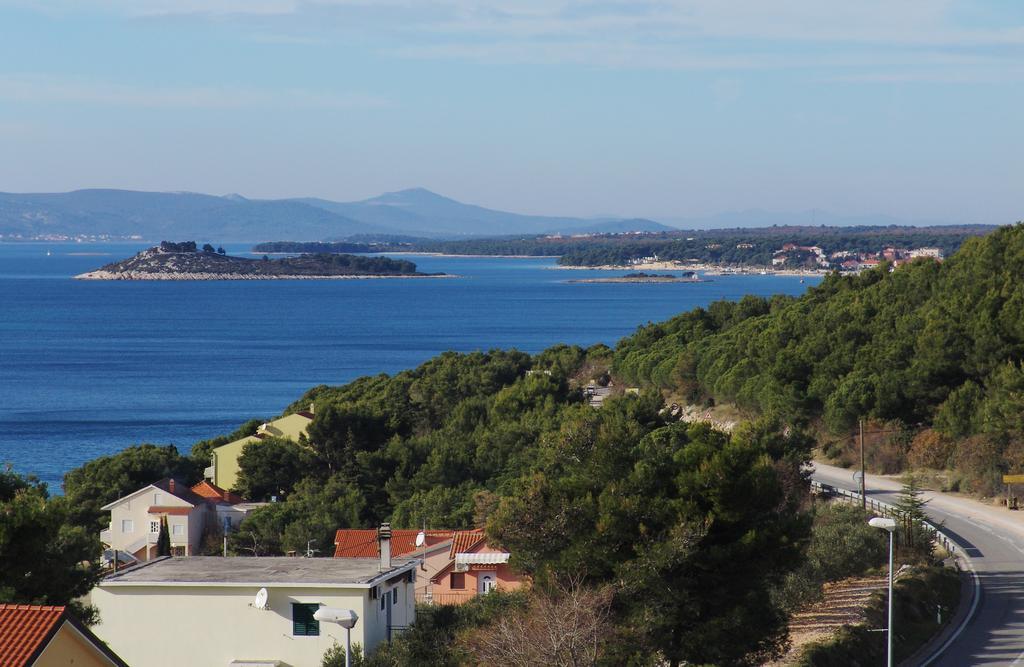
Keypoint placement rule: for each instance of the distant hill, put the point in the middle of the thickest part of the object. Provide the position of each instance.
(159, 215)
(154, 215)
(420, 212)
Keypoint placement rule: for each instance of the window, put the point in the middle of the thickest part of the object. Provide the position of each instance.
(127, 526)
(178, 529)
(383, 601)
(303, 623)
(154, 526)
(394, 597)
(458, 581)
(157, 498)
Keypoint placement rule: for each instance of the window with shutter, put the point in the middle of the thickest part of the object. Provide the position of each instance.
(458, 581)
(303, 623)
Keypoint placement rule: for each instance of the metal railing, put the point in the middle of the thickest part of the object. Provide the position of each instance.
(444, 598)
(891, 511)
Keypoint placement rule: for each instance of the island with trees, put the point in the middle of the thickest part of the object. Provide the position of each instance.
(184, 261)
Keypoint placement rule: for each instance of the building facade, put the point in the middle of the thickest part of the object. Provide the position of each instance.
(473, 568)
(223, 470)
(207, 611)
(190, 511)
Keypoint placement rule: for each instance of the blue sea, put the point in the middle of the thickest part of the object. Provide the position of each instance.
(88, 368)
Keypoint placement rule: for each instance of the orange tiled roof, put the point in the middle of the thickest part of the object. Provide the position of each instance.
(363, 543)
(24, 631)
(211, 491)
(465, 540)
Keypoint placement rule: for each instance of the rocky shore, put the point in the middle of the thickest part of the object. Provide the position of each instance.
(183, 261)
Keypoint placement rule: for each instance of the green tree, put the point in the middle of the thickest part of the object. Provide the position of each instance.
(913, 535)
(108, 478)
(163, 540)
(667, 513)
(208, 248)
(271, 468)
(43, 558)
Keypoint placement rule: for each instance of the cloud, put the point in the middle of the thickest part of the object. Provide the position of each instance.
(32, 88)
(673, 34)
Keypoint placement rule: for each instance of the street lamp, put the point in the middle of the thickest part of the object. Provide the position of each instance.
(889, 525)
(346, 618)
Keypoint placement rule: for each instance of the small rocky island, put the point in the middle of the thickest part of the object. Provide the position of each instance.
(185, 261)
(641, 277)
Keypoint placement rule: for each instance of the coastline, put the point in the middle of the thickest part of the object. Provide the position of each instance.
(142, 275)
(667, 281)
(455, 255)
(706, 269)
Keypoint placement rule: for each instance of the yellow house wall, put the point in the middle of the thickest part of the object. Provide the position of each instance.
(226, 456)
(225, 462)
(68, 648)
(169, 626)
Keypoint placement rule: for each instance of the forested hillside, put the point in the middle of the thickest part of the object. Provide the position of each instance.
(699, 534)
(928, 345)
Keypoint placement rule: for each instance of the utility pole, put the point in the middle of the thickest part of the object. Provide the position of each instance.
(863, 486)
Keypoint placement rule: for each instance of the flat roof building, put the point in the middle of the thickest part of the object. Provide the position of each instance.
(210, 610)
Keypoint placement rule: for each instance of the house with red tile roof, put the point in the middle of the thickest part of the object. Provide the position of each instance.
(46, 635)
(432, 554)
(473, 568)
(190, 512)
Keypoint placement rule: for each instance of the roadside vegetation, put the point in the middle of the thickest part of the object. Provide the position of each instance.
(919, 596)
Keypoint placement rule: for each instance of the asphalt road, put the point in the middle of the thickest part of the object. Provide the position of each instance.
(993, 539)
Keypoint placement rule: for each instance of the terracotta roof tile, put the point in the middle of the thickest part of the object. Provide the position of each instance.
(465, 540)
(24, 629)
(211, 491)
(350, 543)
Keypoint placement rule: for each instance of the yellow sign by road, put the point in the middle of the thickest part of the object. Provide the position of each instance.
(1013, 479)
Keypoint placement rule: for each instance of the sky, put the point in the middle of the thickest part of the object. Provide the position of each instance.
(669, 109)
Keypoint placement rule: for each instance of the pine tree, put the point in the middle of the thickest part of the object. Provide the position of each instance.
(911, 505)
(163, 541)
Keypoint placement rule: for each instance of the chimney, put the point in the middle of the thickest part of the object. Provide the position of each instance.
(312, 408)
(170, 486)
(227, 495)
(384, 538)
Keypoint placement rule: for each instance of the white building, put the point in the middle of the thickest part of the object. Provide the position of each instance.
(203, 611)
(934, 253)
(135, 518)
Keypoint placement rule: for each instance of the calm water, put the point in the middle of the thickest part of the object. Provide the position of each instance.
(87, 368)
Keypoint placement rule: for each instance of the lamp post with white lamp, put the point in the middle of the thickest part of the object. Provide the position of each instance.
(346, 618)
(889, 525)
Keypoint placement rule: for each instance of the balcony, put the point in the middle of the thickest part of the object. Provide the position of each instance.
(106, 535)
(444, 598)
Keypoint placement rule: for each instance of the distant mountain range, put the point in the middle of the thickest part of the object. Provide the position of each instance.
(186, 215)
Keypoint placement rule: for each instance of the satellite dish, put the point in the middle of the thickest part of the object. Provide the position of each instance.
(261, 599)
(421, 537)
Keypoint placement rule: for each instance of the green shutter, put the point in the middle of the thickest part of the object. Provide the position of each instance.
(303, 623)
